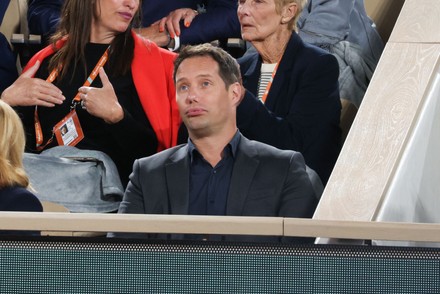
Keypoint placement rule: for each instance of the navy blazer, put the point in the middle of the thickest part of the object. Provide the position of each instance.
(219, 22)
(19, 199)
(302, 108)
(265, 182)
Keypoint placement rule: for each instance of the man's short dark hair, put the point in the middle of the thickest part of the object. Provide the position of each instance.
(229, 70)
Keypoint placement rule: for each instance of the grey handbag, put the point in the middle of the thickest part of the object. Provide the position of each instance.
(81, 180)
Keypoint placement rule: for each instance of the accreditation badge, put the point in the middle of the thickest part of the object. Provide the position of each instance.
(68, 131)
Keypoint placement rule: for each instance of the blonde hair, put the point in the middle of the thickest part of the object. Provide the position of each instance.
(279, 4)
(12, 143)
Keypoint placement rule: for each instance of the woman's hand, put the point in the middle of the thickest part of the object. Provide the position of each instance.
(168, 27)
(29, 91)
(102, 102)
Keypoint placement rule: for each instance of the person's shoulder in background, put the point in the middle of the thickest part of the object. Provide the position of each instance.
(8, 68)
(19, 199)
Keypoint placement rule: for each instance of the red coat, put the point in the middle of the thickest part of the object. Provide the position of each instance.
(152, 70)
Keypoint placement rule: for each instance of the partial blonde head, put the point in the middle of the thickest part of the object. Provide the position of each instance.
(12, 143)
(300, 4)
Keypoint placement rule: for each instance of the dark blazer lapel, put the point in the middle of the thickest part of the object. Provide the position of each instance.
(252, 75)
(242, 175)
(177, 175)
(284, 70)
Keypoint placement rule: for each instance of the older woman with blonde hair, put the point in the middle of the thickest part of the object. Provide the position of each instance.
(292, 98)
(14, 183)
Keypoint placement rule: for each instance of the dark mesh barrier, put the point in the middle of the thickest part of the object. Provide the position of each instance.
(113, 266)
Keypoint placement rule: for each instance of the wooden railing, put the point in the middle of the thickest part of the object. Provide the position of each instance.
(225, 225)
(368, 162)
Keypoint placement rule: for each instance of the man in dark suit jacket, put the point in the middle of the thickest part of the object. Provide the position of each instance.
(217, 20)
(219, 171)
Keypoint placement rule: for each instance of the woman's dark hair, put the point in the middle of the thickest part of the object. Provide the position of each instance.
(75, 25)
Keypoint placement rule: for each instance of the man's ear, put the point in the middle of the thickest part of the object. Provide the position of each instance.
(288, 12)
(237, 93)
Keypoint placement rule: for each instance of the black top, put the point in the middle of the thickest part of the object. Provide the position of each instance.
(131, 138)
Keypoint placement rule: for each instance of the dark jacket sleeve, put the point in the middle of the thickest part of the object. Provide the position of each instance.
(134, 199)
(298, 196)
(43, 16)
(220, 21)
(8, 68)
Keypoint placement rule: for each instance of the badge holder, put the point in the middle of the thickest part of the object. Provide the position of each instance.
(68, 131)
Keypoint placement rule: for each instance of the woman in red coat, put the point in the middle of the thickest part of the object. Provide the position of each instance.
(114, 88)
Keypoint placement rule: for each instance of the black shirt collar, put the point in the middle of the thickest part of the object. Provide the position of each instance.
(232, 145)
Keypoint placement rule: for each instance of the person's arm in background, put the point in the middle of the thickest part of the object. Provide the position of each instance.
(219, 21)
(43, 16)
(8, 67)
(325, 21)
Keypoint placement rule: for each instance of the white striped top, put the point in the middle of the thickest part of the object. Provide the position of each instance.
(266, 75)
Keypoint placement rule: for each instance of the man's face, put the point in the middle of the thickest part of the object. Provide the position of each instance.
(205, 105)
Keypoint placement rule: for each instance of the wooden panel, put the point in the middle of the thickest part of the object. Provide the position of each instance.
(390, 231)
(93, 222)
(418, 22)
(377, 136)
(229, 225)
